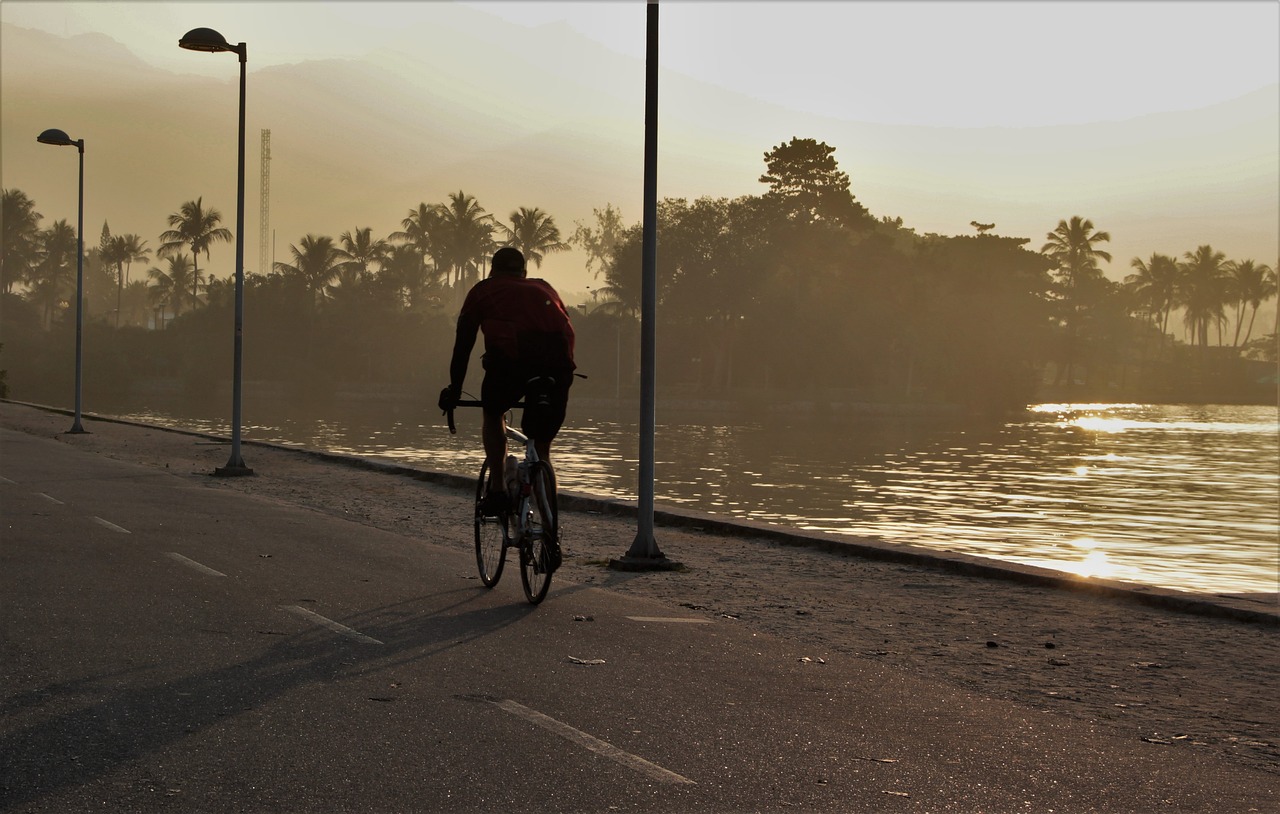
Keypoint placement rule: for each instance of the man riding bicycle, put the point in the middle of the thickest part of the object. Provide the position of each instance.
(528, 353)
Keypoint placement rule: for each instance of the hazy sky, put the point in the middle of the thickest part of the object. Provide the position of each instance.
(1018, 63)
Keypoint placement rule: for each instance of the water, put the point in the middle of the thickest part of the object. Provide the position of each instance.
(1175, 496)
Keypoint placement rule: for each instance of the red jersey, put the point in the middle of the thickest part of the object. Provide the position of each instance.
(507, 308)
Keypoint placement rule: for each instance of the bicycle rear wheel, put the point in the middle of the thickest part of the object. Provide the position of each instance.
(491, 537)
(540, 552)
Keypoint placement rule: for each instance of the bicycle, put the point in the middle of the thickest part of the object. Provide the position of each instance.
(531, 526)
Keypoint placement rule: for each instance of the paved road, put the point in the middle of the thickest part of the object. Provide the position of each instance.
(170, 645)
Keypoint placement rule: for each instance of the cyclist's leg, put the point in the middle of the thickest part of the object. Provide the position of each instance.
(544, 412)
(498, 392)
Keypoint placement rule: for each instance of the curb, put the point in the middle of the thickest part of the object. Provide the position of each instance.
(1240, 609)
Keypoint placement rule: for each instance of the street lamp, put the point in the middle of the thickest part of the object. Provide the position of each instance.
(210, 41)
(61, 139)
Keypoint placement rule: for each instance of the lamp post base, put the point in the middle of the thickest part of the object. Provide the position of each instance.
(232, 471)
(77, 429)
(659, 563)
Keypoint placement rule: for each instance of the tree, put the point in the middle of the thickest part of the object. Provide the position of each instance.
(174, 286)
(121, 252)
(1072, 246)
(197, 228)
(535, 234)
(467, 231)
(316, 262)
(1251, 285)
(1203, 291)
(361, 250)
(19, 238)
(424, 232)
(1155, 287)
(804, 179)
(52, 280)
(599, 242)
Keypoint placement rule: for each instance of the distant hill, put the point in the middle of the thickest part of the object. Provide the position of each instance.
(358, 143)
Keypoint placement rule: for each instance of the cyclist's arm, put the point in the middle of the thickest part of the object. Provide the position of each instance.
(463, 343)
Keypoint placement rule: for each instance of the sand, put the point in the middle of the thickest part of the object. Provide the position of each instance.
(1179, 679)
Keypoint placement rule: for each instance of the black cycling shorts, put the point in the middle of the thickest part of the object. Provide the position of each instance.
(546, 398)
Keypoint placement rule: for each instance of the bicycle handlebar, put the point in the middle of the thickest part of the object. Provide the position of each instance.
(453, 430)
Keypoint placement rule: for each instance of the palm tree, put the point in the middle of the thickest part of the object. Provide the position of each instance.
(316, 261)
(1202, 291)
(1155, 287)
(1251, 284)
(360, 248)
(196, 227)
(468, 236)
(535, 234)
(177, 285)
(19, 237)
(1073, 246)
(52, 280)
(424, 231)
(122, 251)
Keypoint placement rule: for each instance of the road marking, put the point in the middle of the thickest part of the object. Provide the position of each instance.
(671, 619)
(3, 479)
(324, 621)
(110, 525)
(204, 569)
(50, 499)
(593, 743)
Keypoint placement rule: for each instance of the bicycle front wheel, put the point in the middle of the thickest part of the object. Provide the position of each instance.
(540, 551)
(491, 537)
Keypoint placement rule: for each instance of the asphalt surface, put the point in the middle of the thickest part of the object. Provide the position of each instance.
(170, 645)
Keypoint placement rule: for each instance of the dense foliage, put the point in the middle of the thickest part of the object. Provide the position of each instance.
(795, 294)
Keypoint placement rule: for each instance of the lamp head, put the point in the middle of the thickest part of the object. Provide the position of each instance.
(55, 136)
(204, 39)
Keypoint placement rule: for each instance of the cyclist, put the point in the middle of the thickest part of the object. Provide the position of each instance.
(528, 353)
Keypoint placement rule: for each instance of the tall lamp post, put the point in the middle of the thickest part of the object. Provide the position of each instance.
(60, 138)
(210, 41)
(644, 554)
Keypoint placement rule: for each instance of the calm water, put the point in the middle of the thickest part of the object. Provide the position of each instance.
(1176, 496)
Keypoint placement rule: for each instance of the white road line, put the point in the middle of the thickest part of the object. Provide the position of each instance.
(110, 525)
(3, 479)
(204, 569)
(670, 619)
(50, 498)
(593, 743)
(324, 621)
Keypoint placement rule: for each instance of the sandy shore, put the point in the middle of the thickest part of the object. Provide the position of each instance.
(1160, 675)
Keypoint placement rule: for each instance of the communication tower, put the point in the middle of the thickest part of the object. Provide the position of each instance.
(264, 206)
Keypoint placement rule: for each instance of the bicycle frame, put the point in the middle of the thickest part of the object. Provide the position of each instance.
(531, 526)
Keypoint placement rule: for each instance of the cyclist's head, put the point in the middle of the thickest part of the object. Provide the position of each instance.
(507, 260)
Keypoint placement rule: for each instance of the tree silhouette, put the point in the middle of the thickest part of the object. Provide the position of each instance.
(52, 279)
(195, 227)
(535, 234)
(316, 262)
(1073, 248)
(424, 231)
(1251, 284)
(175, 285)
(805, 180)
(1203, 291)
(19, 237)
(467, 231)
(1155, 287)
(121, 251)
